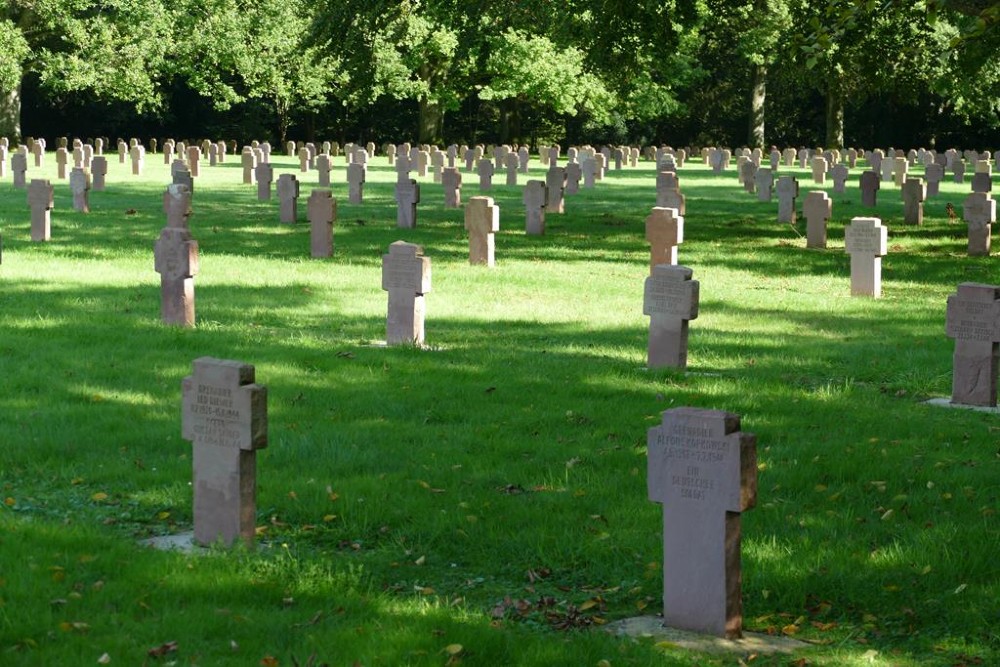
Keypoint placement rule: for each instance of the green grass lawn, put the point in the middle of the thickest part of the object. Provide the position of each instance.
(483, 500)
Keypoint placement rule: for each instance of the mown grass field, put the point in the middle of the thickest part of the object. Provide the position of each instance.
(483, 501)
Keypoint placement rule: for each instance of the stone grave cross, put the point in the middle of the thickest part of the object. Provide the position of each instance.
(866, 240)
(406, 276)
(224, 416)
(703, 470)
(817, 209)
(482, 221)
(973, 320)
(40, 200)
(176, 259)
(670, 298)
(321, 210)
(664, 232)
(979, 211)
(788, 191)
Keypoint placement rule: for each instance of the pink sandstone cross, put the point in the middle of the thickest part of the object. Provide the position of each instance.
(703, 470)
(224, 415)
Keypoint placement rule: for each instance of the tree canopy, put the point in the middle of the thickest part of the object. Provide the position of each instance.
(750, 72)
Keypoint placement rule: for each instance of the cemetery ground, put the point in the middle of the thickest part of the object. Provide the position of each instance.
(483, 501)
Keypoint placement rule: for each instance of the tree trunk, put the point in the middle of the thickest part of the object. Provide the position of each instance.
(506, 111)
(10, 115)
(430, 121)
(758, 93)
(835, 111)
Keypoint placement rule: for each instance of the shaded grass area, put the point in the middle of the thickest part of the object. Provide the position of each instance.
(489, 491)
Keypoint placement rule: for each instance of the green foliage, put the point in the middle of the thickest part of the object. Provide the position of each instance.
(532, 68)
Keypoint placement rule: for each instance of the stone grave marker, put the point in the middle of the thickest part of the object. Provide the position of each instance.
(703, 470)
(748, 175)
(288, 198)
(422, 162)
(914, 193)
(123, 151)
(670, 298)
(817, 209)
(138, 155)
(19, 169)
(523, 159)
(668, 192)
(764, 184)
(867, 242)
(168, 152)
(407, 198)
(870, 185)
(958, 171)
(99, 171)
(979, 211)
(934, 173)
(887, 167)
(574, 173)
(485, 170)
(406, 276)
(321, 210)
(38, 152)
(900, 169)
(482, 221)
(182, 176)
(819, 166)
(263, 173)
(355, 183)
(225, 417)
(589, 169)
(535, 198)
(79, 185)
(839, 174)
(78, 157)
(176, 259)
(390, 154)
(62, 157)
(451, 181)
(555, 182)
(40, 202)
(788, 191)
(213, 155)
(973, 320)
(982, 182)
(194, 160)
(323, 166)
(664, 232)
(511, 164)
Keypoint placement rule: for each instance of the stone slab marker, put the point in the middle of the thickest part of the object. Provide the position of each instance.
(866, 240)
(248, 160)
(99, 171)
(323, 166)
(406, 275)
(819, 167)
(225, 417)
(764, 184)
(973, 320)
(934, 173)
(482, 221)
(664, 232)
(788, 191)
(288, 198)
(79, 185)
(979, 211)
(19, 169)
(555, 181)
(451, 181)
(535, 197)
(407, 198)
(40, 201)
(263, 173)
(356, 182)
(870, 185)
(839, 174)
(816, 209)
(670, 298)
(914, 193)
(321, 209)
(176, 259)
(703, 470)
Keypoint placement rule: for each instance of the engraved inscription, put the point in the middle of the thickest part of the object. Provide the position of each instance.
(669, 298)
(972, 320)
(867, 240)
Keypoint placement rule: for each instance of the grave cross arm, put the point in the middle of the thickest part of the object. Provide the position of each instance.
(223, 406)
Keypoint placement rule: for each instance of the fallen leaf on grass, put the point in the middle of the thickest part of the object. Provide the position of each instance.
(162, 650)
(99, 496)
(269, 661)
(74, 626)
(453, 649)
(105, 659)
